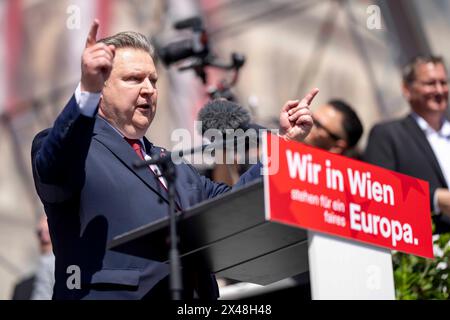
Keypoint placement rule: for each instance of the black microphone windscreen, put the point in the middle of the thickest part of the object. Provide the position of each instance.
(222, 114)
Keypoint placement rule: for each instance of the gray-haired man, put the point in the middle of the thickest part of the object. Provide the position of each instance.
(91, 193)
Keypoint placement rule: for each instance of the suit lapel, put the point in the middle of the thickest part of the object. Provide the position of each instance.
(421, 140)
(107, 136)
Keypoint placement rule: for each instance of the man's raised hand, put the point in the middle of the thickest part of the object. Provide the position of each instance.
(96, 62)
(296, 117)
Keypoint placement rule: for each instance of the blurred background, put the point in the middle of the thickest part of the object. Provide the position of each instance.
(350, 49)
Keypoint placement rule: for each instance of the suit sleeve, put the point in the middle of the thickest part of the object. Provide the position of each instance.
(213, 189)
(58, 154)
(380, 149)
(252, 174)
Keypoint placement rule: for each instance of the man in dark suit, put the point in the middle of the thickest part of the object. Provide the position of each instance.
(419, 144)
(83, 173)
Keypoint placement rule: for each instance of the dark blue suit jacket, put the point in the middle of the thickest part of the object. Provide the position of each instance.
(91, 193)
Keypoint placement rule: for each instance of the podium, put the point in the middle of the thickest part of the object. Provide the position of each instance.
(230, 236)
(311, 213)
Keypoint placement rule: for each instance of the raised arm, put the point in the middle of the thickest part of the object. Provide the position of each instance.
(58, 154)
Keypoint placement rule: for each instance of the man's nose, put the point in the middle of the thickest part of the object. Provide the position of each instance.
(441, 87)
(148, 87)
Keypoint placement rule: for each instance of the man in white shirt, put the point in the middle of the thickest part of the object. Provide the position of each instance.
(419, 145)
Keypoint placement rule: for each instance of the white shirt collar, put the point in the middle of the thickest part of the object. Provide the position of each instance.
(423, 124)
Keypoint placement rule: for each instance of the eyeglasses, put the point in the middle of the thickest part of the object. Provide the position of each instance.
(319, 125)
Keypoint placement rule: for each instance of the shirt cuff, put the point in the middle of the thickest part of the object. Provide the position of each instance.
(87, 101)
(436, 208)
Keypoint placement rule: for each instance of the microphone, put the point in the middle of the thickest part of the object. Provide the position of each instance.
(226, 125)
(223, 117)
(155, 159)
(220, 118)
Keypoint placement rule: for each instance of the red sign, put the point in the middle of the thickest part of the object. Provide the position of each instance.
(317, 190)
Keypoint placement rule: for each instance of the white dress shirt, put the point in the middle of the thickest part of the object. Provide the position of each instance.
(440, 143)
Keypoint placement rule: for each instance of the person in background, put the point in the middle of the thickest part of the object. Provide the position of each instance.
(39, 286)
(45, 272)
(419, 144)
(337, 128)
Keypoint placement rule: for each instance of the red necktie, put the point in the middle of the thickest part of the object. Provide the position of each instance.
(136, 145)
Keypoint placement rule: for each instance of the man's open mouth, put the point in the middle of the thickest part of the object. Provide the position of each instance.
(143, 106)
(438, 99)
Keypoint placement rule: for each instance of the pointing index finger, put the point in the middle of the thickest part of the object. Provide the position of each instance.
(310, 96)
(92, 36)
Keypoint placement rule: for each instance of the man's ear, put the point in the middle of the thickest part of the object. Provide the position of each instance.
(101, 106)
(406, 90)
(339, 146)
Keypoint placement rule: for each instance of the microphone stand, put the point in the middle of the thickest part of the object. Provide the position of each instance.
(168, 171)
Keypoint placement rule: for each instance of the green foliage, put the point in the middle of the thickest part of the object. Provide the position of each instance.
(420, 278)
